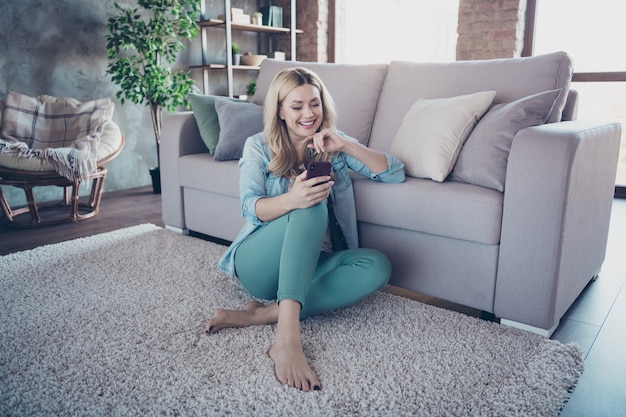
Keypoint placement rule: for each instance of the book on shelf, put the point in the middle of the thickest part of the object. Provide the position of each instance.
(272, 16)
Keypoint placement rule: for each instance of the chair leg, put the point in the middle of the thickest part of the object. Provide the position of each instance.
(98, 190)
(31, 208)
(6, 209)
(32, 204)
(66, 196)
(95, 197)
(74, 203)
(70, 200)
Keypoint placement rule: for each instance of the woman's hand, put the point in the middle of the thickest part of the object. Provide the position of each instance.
(308, 192)
(326, 140)
(303, 193)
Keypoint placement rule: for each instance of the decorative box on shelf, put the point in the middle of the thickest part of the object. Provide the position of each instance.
(237, 16)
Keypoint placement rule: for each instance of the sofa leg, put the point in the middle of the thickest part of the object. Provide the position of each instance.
(528, 328)
(487, 316)
(177, 229)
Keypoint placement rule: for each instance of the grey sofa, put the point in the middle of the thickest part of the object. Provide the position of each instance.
(523, 255)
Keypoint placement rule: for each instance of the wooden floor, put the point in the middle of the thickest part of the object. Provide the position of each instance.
(118, 209)
(596, 322)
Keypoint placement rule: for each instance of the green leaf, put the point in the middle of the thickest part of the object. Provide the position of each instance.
(141, 44)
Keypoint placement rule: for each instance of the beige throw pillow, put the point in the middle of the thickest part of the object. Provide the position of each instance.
(433, 131)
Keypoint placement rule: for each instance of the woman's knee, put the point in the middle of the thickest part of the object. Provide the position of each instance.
(374, 266)
(315, 214)
(381, 266)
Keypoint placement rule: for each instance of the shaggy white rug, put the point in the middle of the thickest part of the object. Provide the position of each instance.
(112, 325)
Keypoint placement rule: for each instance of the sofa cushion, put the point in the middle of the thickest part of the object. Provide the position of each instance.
(484, 157)
(354, 88)
(433, 131)
(511, 78)
(201, 172)
(204, 112)
(449, 209)
(238, 121)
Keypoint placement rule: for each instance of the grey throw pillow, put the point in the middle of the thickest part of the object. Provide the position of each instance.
(203, 107)
(238, 121)
(484, 157)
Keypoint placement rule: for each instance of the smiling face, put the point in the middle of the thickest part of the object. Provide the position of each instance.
(302, 112)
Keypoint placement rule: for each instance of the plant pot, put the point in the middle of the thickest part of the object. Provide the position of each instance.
(155, 173)
(252, 60)
(236, 59)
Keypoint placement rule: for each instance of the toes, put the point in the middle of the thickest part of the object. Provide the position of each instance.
(212, 325)
(292, 369)
(208, 328)
(216, 322)
(309, 385)
(302, 387)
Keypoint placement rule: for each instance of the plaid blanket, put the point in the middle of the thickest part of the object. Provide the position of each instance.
(65, 132)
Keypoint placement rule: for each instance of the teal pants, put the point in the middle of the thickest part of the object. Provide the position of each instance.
(283, 261)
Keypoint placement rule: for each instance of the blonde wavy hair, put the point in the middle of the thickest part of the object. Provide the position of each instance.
(284, 160)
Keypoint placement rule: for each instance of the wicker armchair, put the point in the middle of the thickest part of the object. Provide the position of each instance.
(30, 172)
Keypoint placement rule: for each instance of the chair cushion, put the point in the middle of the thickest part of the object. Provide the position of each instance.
(53, 123)
(111, 140)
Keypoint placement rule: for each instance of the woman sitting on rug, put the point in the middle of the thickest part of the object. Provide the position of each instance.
(285, 251)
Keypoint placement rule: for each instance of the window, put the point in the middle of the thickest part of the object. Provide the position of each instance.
(371, 31)
(591, 32)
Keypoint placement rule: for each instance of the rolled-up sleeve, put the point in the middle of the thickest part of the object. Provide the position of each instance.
(252, 167)
(393, 174)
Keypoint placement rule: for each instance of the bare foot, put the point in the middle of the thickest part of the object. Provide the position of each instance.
(291, 366)
(253, 313)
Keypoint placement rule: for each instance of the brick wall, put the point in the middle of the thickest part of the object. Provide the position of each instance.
(490, 29)
(313, 19)
(486, 29)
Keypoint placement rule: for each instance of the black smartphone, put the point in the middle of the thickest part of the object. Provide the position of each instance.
(317, 169)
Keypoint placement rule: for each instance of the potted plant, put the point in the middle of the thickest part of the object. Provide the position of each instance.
(257, 18)
(236, 55)
(251, 89)
(141, 45)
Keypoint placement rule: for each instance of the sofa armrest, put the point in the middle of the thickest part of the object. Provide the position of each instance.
(557, 205)
(179, 136)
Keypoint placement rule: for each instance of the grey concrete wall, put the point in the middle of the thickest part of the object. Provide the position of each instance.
(58, 47)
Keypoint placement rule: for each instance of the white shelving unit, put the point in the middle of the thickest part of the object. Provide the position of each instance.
(208, 24)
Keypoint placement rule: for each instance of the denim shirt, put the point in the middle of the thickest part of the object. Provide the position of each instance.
(257, 182)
